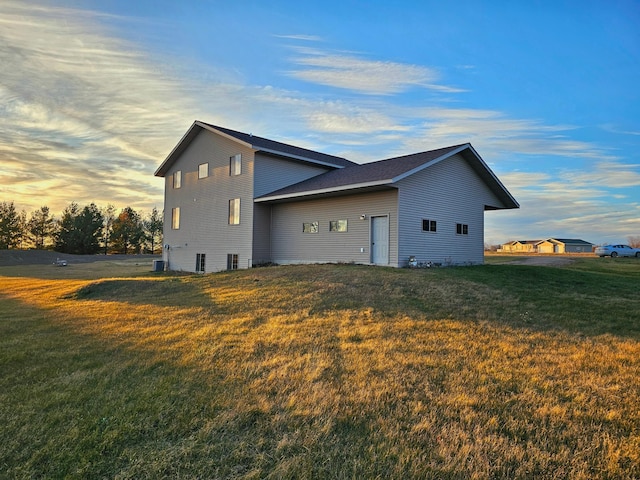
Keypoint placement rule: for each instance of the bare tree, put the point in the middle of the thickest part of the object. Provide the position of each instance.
(634, 241)
(108, 216)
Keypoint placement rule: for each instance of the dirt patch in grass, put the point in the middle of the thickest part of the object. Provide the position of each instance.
(542, 261)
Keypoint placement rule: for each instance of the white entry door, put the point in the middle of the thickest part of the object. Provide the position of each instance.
(380, 240)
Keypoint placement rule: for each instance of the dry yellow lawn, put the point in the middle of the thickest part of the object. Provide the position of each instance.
(322, 372)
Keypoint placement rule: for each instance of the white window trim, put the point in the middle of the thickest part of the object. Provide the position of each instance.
(235, 165)
(175, 218)
(234, 211)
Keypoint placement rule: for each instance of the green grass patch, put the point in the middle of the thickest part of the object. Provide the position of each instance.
(321, 371)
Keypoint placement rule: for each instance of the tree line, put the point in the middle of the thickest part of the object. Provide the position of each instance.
(80, 230)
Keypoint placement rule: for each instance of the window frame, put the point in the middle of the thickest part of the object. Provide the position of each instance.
(234, 211)
(175, 218)
(339, 226)
(203, 172)
(177, 179)
(310, 227)
(462, 229)
(235, 165)
(232, 261)
(432, 225)
(200, 262)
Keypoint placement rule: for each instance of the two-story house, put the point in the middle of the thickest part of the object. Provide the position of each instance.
(234, 200)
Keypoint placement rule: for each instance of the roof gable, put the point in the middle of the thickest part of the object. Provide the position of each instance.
(261, 144)
(388, 172)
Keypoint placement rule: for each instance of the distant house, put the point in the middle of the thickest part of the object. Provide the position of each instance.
(564, 245)
(550, 245)
(235, 200)
(519, 246)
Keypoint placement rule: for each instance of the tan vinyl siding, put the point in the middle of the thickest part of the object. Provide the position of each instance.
(273, 173)
(261, 234)
(449, 192)
(204, 205)
(291, 245)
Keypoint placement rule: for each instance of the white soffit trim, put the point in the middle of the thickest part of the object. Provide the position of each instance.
(341, 188)
(295, 157)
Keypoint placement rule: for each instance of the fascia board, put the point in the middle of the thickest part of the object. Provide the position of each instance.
(295, 157)
(493, 175)
(306, 193)
(428, 164)
(164, 166)
(225, 135)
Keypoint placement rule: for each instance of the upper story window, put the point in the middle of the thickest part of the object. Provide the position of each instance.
(203, 170)
(429, 225)
(338, 226)
(177, 179)
(234, 211)
(235, 164)
(175, 218)
(462, 229)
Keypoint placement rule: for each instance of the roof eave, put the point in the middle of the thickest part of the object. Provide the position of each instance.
(323, 191)
(501, 191)
(296, 157)
(192, 132)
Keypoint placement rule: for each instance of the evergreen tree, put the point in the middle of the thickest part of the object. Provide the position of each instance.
(40, 228)
(128, 231)
(79, 230)
(11, 226)
(153, 229)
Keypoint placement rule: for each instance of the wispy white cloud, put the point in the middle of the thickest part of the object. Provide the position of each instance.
(567, 203)
(374, 77)
(305, 38)
(621, 131)
(86, 116)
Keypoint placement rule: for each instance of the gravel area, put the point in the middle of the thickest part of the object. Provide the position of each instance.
(43, 257)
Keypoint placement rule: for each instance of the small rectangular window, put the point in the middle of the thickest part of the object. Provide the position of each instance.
(200, 262)
(428, 225)
(235, 165)
(462, 229)
(203, 170)
(175, 218)
(310, 227)
(232, 261)
(234, 211)
(177, 179)
(338, 226)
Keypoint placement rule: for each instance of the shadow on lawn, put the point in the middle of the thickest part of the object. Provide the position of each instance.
(162, 292)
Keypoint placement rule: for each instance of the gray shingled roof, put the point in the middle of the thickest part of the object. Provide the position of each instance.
(367, 174)
(386, 172)
(257, 143)
(346, 175)
(573, 241)
(271, 146)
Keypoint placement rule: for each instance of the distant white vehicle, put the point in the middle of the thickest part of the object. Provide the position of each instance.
(614, 251)
(60, 263)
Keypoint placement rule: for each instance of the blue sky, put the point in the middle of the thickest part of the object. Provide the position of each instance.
(95, 94)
